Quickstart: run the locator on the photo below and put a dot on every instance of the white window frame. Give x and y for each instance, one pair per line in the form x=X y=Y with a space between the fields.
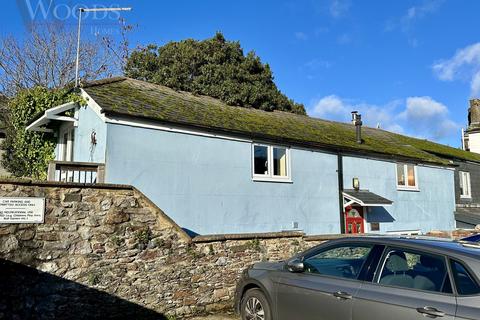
x=68 y=147
x=270 y=177
x=462 y=175
x=406 y=187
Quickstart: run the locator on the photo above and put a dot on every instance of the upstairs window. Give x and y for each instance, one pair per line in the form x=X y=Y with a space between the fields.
x=407 y=176
x=271 y=163
x=465 y=186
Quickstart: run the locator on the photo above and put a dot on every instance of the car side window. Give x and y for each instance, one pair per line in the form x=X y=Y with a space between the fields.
x=465 y=283
x=344 y=261
x=415 y=270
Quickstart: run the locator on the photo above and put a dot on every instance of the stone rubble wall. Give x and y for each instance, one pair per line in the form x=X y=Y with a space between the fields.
x=113 y=241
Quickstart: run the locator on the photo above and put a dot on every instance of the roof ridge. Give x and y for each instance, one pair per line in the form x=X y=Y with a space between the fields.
x=103 y=81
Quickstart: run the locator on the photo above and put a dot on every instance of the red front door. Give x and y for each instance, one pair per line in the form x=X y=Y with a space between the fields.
x=354 y=220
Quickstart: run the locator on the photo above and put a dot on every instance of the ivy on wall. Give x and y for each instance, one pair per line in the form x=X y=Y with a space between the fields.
x=27 y=153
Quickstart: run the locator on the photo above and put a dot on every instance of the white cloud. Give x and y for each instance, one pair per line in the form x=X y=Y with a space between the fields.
x=339 y=8
x=316 y=64
x=465 y=64
x=413 y=14
x=428 y=118
x=415 y=116
x=301 y=35
x=344 y=39
x=419 y=108
x=331 y=107
x=418 y=12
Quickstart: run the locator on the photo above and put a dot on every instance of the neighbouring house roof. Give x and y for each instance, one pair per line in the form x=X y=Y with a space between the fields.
x=366 y=198
x=139 y=99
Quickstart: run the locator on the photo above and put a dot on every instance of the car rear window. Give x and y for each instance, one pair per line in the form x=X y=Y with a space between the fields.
x=465 y=283
x=415 y=270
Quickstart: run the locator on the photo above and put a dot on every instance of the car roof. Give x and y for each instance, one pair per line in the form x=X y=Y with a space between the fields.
x=450 y=247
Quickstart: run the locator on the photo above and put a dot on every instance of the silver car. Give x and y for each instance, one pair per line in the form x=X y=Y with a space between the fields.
x=365 y=278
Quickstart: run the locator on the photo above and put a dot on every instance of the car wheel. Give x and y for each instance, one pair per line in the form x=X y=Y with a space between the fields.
x=255 y=306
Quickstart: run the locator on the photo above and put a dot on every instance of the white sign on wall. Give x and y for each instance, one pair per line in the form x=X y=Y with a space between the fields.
x=22 y=210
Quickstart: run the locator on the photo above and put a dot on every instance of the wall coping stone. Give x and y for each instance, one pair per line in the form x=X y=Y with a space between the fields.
x=32 y=182
x=247 y=236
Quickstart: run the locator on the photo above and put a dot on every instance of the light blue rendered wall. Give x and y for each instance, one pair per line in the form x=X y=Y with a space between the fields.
x=84 y=151
x=431 y=208
x=205 y=184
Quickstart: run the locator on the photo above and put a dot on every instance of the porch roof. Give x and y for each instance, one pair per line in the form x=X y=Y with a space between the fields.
x=366 y=198
x=53 y=114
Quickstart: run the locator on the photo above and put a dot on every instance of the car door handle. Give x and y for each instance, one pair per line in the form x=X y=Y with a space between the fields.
x=342 y=295
x=431 y=312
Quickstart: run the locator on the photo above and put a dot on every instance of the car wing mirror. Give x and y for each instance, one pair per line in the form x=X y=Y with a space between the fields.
x=295 y=266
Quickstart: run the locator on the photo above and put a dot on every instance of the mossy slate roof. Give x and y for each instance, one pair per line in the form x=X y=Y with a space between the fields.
x=139 y=99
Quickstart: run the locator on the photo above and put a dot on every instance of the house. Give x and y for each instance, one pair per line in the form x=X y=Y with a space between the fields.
x=467 y=176
x=471 y=136
x=216 y=168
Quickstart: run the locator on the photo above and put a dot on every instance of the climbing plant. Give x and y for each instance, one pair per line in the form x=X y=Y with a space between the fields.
x=27 y=153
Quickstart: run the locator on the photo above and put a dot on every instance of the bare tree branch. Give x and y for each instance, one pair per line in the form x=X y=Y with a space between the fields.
x=46 y=57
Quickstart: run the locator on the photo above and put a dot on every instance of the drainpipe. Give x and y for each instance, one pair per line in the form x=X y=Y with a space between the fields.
x=340 y=191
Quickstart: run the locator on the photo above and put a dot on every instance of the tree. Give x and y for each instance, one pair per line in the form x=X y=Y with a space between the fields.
x=27 y=153
x=37 y=73
x=46 y=57
x=214 y=67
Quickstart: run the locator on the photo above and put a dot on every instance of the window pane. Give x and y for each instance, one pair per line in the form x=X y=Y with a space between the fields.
x=344 y=261
x=462 y=183
x=280 y=162
x=65 y=146
x=411 y=175
x=260 y=161
x=416 y=271
x=401 y=174
x=469 y=186
x=465 y=187
x=464 y=282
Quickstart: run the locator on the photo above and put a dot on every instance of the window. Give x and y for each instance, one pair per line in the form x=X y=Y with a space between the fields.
x=465 y=283
x=271 y=163
x=465 y=187
x=66 y=142
x=406 y=176
x=345 y=261
x=416 y=271
x=260 y=164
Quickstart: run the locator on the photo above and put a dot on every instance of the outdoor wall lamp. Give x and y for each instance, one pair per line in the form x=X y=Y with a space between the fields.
x=356 y=184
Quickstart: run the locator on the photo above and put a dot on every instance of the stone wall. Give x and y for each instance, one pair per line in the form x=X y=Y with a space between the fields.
x=108 y=251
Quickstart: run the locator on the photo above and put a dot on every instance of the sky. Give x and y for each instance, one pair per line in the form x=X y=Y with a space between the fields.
x=406 y=66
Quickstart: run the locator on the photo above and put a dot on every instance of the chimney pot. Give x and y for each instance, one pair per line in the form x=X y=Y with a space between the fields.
x=357 y=121
x=474 y=114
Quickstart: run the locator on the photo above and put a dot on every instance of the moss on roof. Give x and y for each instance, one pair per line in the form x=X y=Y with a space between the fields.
x=124 y=96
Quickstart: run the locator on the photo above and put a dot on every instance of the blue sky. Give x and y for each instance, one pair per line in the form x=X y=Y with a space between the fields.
x=409 y=66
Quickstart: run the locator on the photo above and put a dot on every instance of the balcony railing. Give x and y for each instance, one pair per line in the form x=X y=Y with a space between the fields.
x=81 y=172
